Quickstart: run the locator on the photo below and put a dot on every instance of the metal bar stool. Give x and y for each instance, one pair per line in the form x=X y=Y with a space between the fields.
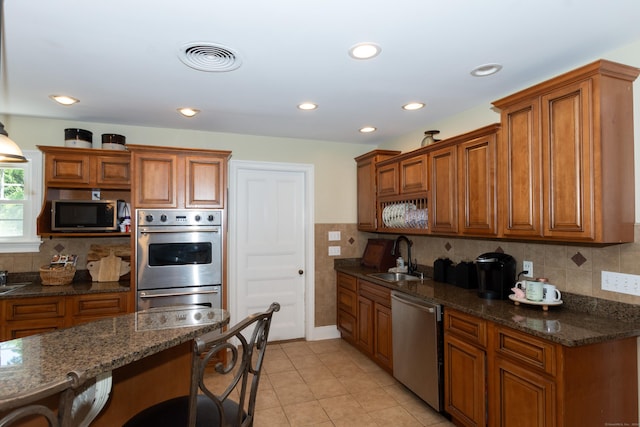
x=203 y=407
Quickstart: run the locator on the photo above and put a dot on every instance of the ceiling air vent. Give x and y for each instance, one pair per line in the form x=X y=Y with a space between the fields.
x=209 y=57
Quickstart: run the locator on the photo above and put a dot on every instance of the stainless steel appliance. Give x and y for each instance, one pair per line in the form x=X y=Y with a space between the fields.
x=85 y=215
x=417 y=347
x=496 y=275
x=178 y=257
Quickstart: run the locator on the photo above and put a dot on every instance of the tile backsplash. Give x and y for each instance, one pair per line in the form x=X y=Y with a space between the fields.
x=575 y=269
x=572 y=268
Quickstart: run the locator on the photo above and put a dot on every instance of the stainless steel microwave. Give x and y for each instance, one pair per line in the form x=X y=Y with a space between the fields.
x=84 y=215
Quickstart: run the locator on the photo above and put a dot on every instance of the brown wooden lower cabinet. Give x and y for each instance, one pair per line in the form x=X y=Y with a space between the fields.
x=465 y=372
x=364 y=317
x=26 y=316
x=518 y=379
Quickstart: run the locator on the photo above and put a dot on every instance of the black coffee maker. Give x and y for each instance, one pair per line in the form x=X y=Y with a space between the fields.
x=496 y=275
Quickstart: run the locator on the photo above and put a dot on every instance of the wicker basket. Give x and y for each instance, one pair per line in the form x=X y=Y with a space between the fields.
x=57 y=276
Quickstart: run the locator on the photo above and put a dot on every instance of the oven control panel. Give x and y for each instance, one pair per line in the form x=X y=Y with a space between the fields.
x=176 y=316
x=191 y=217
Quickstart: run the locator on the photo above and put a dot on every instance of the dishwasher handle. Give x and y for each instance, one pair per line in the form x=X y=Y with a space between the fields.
x=417 y=303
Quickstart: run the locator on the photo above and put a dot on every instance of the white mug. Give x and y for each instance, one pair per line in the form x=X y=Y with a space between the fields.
x=551 y=294
x=534 y=291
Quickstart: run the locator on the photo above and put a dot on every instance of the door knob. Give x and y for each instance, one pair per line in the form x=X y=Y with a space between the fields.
x=301 y=272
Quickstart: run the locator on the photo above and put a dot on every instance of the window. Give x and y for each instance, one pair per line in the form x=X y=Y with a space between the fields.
x=20 y=202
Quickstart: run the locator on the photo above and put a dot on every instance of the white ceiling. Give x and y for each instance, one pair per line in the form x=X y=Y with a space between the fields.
x=120 y=58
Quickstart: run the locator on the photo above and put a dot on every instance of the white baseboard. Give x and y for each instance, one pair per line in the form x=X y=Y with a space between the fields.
x=324 y=333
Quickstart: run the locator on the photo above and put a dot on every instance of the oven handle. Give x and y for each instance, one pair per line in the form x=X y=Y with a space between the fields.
x=176 y=294
x=149 y=230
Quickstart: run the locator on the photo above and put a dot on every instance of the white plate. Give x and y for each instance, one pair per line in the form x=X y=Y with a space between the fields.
x=544 y=304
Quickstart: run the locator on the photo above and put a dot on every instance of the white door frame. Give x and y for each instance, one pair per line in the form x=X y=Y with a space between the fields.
x=309 y=224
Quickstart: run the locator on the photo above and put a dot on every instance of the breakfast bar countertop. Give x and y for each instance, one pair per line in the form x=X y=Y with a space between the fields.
x=82 y=352
x=580 y=320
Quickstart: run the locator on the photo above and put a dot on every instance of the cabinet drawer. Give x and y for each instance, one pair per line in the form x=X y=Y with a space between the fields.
x=21 y=329
x=347 y=301
x=100 y=305
x=470 y=328
x=347 y=326
x=347 y=282
x=525 y=349
x=34 y=308
x=376 y=293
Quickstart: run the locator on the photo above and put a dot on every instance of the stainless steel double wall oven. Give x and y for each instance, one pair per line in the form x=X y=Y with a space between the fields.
x=178 y=257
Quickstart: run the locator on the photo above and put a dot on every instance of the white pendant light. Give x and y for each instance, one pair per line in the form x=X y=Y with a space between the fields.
x=9 y=150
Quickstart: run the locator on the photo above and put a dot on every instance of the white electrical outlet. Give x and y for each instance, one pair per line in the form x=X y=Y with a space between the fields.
x=334 y=235
x=621 y=282
x=334 y=250
x=95 y=195
x=528 y=267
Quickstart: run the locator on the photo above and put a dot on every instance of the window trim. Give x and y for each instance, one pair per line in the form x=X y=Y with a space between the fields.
x=30 y=242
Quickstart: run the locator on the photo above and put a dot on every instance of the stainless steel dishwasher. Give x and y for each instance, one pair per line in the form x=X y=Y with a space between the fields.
x=417 y=346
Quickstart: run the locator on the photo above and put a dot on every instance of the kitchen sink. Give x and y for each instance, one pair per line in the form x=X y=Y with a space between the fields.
x=5 y=289
x=393 y=277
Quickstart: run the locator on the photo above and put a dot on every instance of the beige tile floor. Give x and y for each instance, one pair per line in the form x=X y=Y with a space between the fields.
x=330 y=383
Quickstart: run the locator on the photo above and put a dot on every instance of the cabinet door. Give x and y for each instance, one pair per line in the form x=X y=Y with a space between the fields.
x=205 y=181
x=365 y=324
x=464 y=382
x=520 y=173
x=388 y=179
x=567 y=162
x=383 y=349
x=366 y=178
x=413 y=175
x=443 y=200
x=520 y=397
x=67 y=170
x=113 y=172
x=477 y=191
x=156 y=180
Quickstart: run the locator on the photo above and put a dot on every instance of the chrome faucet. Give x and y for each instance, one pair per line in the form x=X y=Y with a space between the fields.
x=410 y=267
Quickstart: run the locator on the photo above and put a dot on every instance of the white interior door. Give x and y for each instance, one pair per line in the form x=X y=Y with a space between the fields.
x=268 y=238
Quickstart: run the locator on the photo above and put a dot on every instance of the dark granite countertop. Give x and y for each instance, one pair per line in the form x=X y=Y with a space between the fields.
x=579 y=321
x=82 y=352
x=81 y=284
x=35 y=289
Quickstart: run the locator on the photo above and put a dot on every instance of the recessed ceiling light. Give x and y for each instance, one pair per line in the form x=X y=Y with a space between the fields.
x=486 y=70
x=364 y=50
x=368 y=129
x=64 y=99
x=188 y=112
x=413 y=106
x=308 y=106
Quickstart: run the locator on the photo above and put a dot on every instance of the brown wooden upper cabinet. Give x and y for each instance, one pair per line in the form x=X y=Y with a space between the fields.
x=463 y=184
x=167 y=177
x=404 y=174
x=367 y=187
x=566 y=157
x=86 y=168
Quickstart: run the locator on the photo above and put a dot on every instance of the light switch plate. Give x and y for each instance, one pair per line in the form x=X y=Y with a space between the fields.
x=334 y=250
x=334 y=235
x=620 y=282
